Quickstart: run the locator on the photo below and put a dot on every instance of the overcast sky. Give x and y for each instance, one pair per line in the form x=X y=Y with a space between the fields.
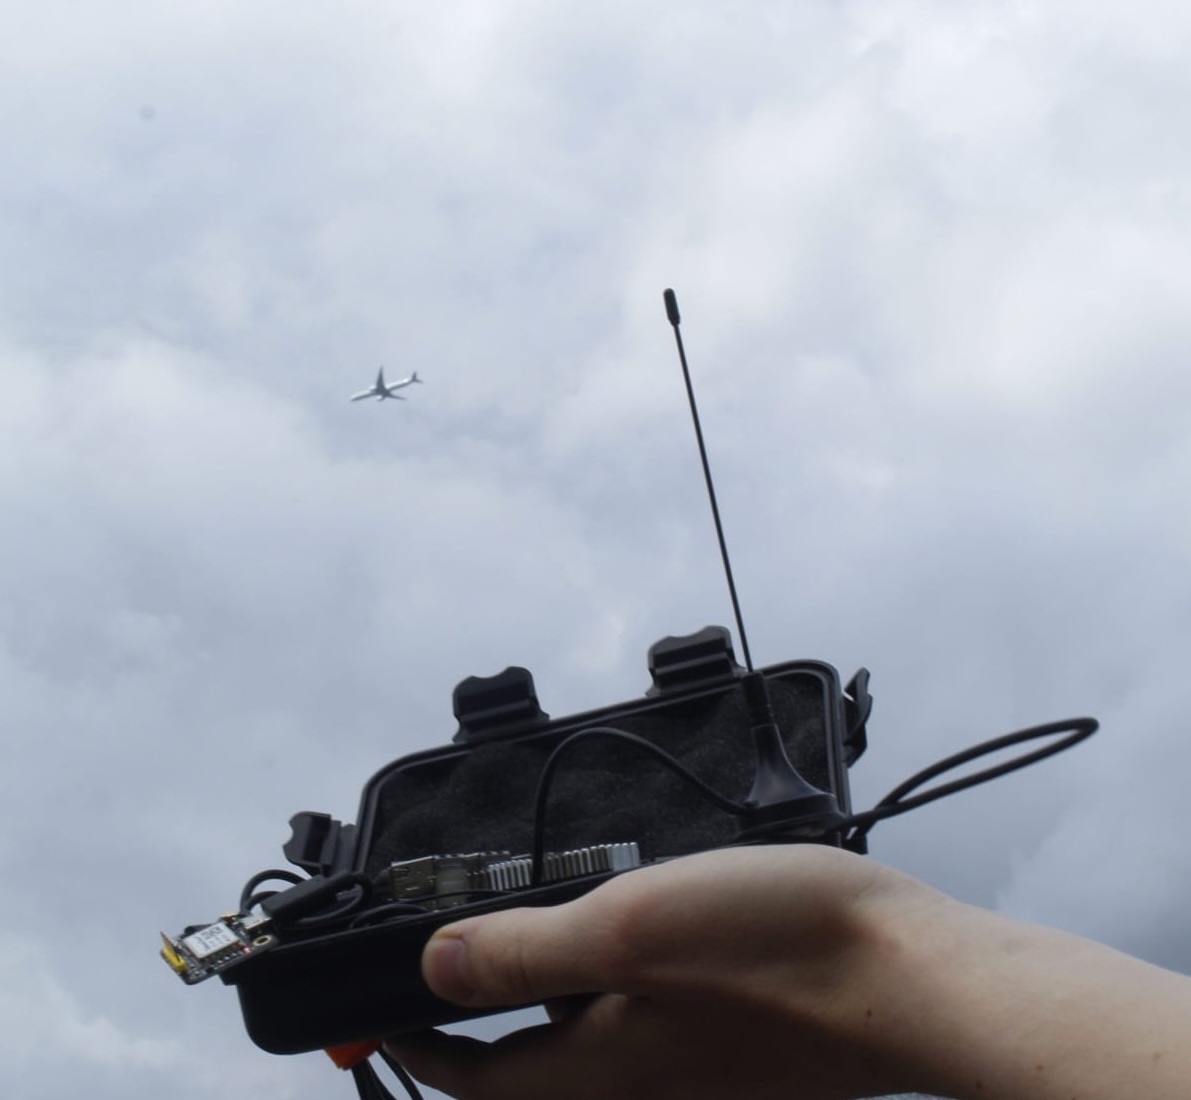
x=934 y=263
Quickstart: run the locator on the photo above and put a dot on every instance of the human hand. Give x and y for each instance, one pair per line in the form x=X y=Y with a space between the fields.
x=799 y=972
x=742 y=972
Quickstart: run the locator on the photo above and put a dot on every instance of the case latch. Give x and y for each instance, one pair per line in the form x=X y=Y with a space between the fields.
x=692 y=660
x=319 y=845
x=489 y=707
x=858 y=705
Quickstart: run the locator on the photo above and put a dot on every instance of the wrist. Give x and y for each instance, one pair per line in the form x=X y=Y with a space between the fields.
x=952 y=1000
x=901 y=940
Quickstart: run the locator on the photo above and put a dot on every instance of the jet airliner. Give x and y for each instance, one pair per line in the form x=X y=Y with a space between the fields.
x=380 y=390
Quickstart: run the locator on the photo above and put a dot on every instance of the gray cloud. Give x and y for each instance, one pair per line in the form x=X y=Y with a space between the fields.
x=932 y=267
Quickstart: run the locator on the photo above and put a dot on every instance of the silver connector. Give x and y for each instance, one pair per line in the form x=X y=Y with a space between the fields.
x=442 y=881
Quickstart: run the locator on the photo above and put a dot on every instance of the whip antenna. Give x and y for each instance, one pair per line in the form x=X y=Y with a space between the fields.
x=672 y=316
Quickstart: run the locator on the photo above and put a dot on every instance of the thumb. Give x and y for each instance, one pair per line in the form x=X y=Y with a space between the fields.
x=517 y=957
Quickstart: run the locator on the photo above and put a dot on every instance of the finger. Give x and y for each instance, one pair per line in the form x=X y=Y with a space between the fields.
x=535 y=1063
x=638 y=933
x=597 y=943
x=522 y=956
x=441 y=1061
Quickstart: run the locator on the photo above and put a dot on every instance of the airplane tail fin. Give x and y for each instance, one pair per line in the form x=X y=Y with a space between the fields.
x=413 y=377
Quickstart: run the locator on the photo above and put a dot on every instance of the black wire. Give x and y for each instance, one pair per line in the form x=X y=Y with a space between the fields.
x=396 y=909
x=360 y=885
x=679 y=769
x=402 y=1075
x=369 y=1085
x=892 y=805
x=895 y=802
x=382 y=913
x=361 y=894
x=472 y=894
x=265 y=876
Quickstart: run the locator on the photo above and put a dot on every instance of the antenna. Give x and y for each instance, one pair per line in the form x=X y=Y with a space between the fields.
x=673 y=317
x=781 y=802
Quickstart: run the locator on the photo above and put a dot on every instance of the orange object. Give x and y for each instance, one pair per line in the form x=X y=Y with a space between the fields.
x=348 y=1055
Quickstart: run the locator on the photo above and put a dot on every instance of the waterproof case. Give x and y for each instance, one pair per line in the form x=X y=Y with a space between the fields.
x=451 y=817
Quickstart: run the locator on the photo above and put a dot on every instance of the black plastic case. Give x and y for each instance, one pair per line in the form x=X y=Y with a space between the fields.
x=477 y=795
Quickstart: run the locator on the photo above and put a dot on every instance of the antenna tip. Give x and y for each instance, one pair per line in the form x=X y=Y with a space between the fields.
x=671 y=307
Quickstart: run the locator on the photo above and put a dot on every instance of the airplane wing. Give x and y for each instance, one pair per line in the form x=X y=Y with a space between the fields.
x=381 y=390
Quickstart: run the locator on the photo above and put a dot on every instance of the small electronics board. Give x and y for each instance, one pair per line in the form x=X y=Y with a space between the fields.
x=202 y=951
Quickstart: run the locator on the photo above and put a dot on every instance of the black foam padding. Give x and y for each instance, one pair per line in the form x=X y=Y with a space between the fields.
x=603 y=791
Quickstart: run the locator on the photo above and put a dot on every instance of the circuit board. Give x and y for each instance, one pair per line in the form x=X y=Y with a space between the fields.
x=203 y=951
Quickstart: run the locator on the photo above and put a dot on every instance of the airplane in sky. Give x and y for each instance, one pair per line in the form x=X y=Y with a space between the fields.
x=380 y=390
